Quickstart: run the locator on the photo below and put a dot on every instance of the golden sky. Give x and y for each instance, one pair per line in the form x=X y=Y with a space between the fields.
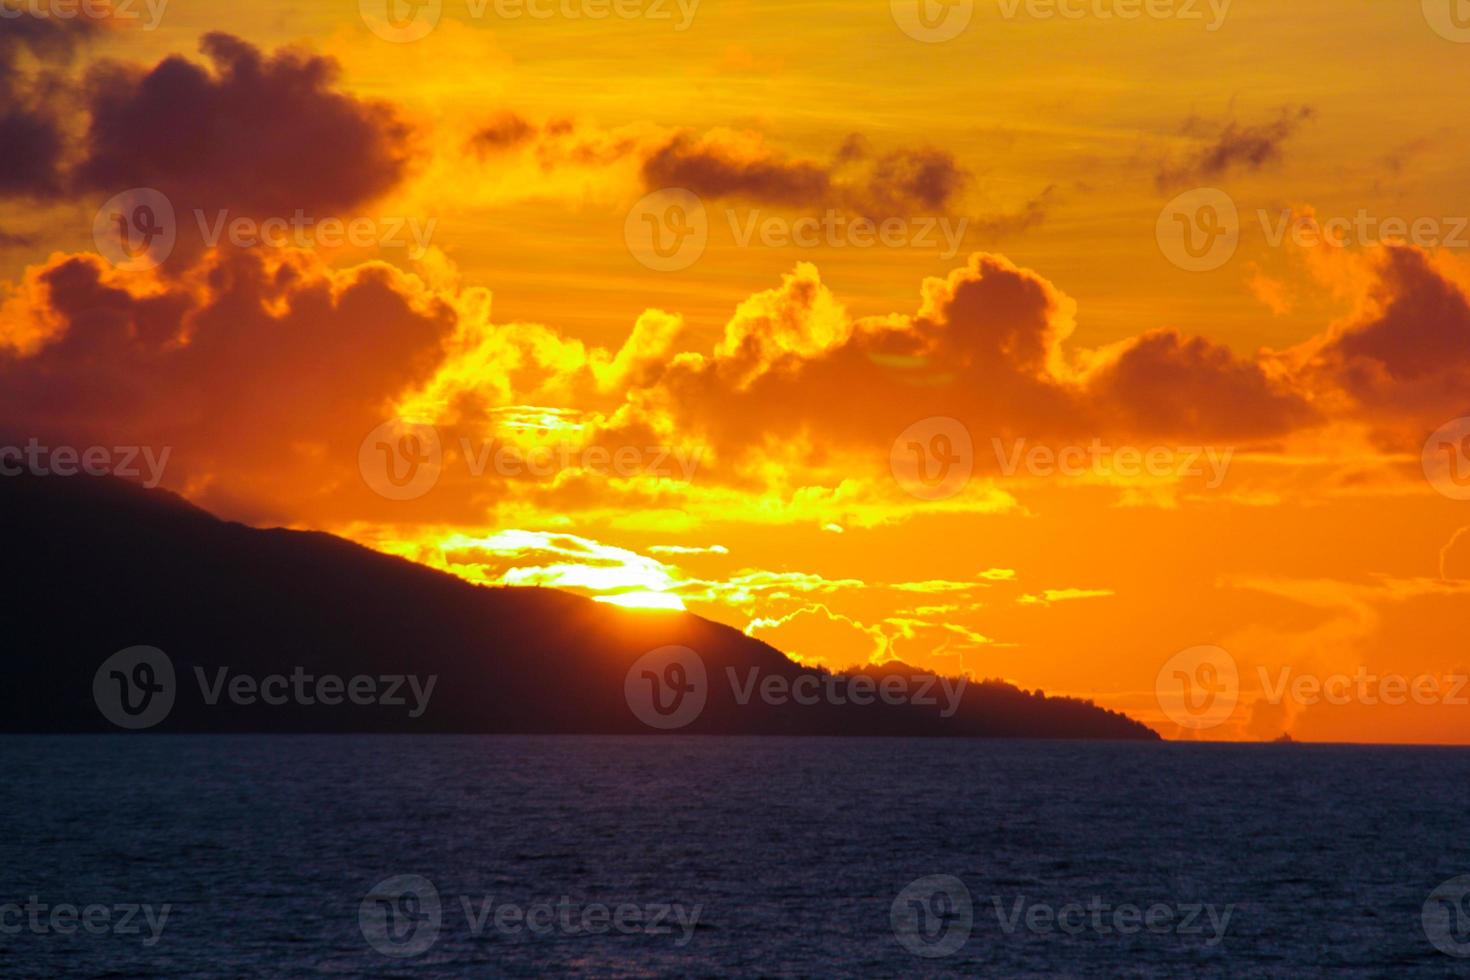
x=1103 y=346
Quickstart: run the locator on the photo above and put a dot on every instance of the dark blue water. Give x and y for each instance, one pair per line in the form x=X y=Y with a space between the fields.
x=489 y=856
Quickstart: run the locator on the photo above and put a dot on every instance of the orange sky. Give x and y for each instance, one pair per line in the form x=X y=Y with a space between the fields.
x=919 y=365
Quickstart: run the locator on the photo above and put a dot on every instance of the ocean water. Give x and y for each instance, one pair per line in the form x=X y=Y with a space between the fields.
x=429 y=856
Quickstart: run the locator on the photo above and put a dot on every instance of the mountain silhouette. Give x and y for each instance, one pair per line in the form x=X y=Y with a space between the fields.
x=100 y=565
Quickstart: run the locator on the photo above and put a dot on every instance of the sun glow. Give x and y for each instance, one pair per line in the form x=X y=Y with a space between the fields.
x=644 y=600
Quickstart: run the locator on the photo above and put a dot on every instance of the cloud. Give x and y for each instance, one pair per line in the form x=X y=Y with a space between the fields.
x=741 y=166
x=1233 y=146
x=988 y=346
x=261 y=134
x=1409 y=357
x=32 y=102
x=1177 y=386
x=517 y=557
x=262 y=372
x=725 y=165
x=788 y=415
x=503 y=132
x=915 y=181
x=1049 y=596
x=718 y=167
x=816 y=635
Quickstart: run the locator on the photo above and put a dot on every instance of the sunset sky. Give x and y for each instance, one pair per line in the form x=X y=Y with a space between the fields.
x=754 y=384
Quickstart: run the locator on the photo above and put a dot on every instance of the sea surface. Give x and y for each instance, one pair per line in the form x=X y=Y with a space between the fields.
x=469 y=856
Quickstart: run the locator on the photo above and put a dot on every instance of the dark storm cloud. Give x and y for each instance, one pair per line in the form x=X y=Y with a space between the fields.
x=262 y=134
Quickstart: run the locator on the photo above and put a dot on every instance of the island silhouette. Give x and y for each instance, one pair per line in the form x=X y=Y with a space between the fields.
x=100 y=566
